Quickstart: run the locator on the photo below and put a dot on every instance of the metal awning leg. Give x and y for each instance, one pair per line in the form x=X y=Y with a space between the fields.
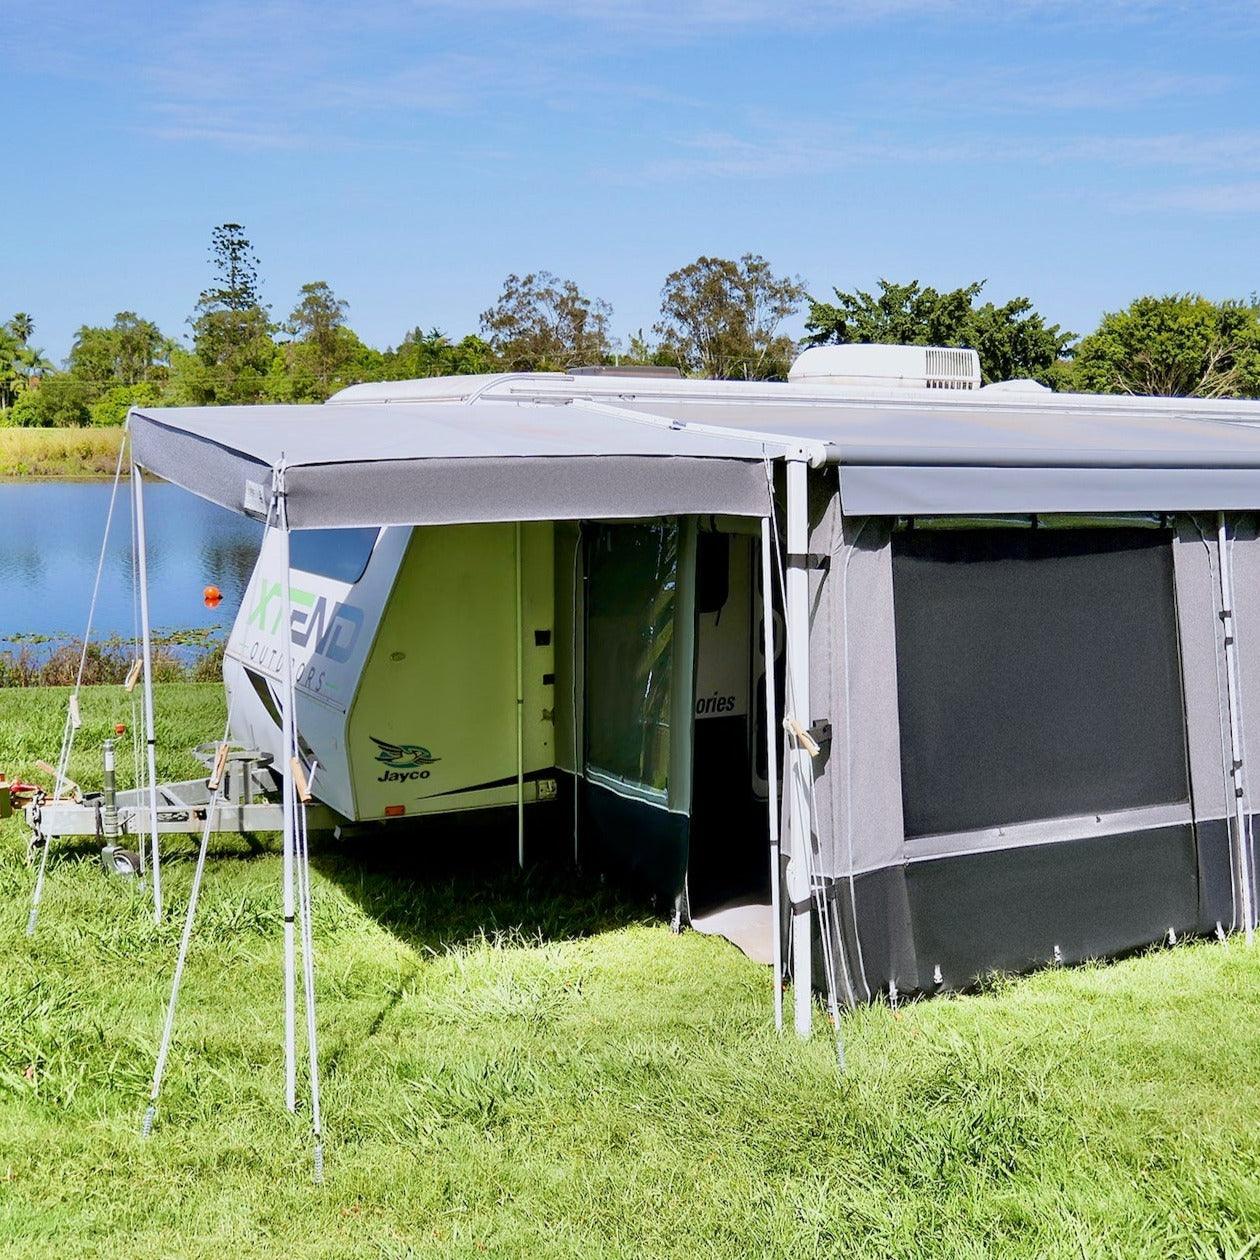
x=796 y=613
x=146 y=656
x=772 y=768
x=288 y=720
x=1238 y=776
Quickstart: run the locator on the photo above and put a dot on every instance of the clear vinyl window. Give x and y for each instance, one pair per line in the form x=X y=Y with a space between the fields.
x=632 y=581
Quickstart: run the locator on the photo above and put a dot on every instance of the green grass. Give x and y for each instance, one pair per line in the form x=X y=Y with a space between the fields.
x=520 y=1067
x=59 y=452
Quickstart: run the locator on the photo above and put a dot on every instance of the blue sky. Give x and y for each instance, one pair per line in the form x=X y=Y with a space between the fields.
x=412 y=152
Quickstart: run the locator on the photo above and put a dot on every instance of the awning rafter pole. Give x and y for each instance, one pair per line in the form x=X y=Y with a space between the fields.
x=1238 y=776
x=772 y=767
x=796 y=613
x=288 y=721
x=146 y=657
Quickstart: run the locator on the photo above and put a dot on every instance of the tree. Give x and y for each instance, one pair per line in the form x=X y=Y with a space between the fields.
x=1182 y=345
x=1012 y=340
x=721 y=318
x=236 y=272
x=231 y=329
x=433 y=353
x=9 y=378
x=22 y=326
x=317 y=318
x=317 y=360
x=543 y=324
x=126 y=352
x=31 y=364
x=14 y=368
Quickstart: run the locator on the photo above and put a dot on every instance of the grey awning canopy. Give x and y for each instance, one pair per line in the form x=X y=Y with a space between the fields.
x=425 y=463
x=378 y=464
x=901 y=458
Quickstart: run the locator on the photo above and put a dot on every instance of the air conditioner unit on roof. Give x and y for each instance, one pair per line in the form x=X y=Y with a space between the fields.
x=908 y=367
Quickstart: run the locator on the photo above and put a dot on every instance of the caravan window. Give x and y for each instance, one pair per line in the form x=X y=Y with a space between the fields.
x=341 y=554
x=1037 y=675
x=632 y=578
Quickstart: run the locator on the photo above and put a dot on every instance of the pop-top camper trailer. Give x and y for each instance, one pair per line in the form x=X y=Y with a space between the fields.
x=1008 y=642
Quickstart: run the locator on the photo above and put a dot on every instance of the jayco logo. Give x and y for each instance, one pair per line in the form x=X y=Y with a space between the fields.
x=409 y=761
x=334 y=626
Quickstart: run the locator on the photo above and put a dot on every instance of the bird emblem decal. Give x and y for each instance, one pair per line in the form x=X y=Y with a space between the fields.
x=403 y=756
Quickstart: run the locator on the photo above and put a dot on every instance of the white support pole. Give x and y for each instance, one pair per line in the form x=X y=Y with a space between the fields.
x=520 y=707
x=308 y=982
x=772 y=768
x=142 y=561
x=1238 y=776
x=577 y=659
x=798 y=764
x=289 y=745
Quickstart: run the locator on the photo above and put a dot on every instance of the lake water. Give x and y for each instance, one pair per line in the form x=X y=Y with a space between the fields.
x=50 y=539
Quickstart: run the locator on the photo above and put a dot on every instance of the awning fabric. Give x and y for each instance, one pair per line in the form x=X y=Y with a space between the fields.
x=899 y=459
x=378 y=464
x=425 y=463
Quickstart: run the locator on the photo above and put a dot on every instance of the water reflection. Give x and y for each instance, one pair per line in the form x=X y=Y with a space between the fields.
x=50 y=538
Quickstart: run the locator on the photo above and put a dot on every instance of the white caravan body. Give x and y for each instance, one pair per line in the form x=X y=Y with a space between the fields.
x=405 y=660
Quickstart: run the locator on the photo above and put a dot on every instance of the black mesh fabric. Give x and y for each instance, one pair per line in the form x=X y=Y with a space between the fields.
x=1037 y=675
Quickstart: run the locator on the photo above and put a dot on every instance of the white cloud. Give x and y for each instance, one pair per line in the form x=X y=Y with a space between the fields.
x=787 y=151
x=1235 y=198
x=283 y=73
x=1079 y=89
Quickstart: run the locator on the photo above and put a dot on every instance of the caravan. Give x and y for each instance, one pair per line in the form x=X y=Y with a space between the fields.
x=995 y=651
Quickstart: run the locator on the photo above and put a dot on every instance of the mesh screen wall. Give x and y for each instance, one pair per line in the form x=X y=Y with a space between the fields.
x=1037 y=675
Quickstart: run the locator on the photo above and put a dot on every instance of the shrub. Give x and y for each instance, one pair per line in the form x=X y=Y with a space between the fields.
x=57 y=402
x=110 y=410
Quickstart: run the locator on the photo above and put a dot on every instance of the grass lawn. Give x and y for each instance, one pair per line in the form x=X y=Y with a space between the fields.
x=59 y=452
x=521 y=1067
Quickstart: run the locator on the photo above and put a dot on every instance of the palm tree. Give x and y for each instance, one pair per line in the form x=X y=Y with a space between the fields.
x=30 y=362
x=22 y=326
x=8 y=370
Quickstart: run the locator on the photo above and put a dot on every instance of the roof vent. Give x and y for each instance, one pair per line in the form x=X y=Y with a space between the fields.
x=888 y=367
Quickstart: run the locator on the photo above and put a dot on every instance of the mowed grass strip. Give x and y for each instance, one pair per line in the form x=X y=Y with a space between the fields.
x=524 y=1066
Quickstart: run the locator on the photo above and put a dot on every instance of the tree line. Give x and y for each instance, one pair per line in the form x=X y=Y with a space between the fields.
x=719 y=317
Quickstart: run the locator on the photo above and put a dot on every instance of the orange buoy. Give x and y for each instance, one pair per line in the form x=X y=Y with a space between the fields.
x=213 y=596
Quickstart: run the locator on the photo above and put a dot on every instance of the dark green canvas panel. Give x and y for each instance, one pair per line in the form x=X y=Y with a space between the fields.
x=641 y=846
x=1007 y=909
